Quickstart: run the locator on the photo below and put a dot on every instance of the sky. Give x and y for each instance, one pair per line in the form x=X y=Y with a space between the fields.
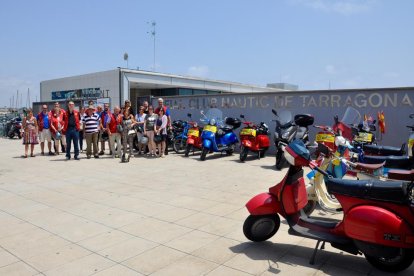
x=316 y=44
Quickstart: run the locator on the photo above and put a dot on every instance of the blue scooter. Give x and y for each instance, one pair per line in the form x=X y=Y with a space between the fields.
x=219 y=137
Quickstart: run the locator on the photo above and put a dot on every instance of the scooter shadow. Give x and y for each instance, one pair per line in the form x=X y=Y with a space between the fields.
x=212 y=156
x=282 y=256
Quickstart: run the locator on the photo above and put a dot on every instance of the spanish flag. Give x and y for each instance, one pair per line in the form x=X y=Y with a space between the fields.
x=381 y=121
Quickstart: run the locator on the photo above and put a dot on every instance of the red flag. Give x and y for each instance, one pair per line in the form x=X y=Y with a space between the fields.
x=381 y=121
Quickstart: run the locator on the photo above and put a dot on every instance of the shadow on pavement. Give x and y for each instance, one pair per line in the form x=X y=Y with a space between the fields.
x=296 y=255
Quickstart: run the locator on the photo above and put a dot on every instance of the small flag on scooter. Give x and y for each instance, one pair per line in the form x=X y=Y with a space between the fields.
x=381 y=121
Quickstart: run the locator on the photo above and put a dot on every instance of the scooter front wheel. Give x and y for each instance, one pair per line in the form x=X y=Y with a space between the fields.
x=187 y=150
x=243 y=154
x=261 y=228
x=204 y=154
x=394 y=264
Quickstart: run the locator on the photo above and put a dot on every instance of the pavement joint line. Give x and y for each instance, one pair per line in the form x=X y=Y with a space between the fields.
x=20 y=260
x=70 y=243
x=99 y=203
x=93 y=252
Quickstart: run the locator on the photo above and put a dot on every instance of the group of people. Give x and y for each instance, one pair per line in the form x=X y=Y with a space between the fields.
x=97 y=126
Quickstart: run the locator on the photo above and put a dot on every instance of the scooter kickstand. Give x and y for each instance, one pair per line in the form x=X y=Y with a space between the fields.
x=312 y=260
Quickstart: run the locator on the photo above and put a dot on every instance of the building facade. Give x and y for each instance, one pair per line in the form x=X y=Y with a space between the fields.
x=120 y=84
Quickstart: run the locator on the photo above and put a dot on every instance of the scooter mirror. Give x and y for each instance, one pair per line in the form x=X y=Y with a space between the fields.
x=411 y=116
x=274 y=112
x=336 y=119
x=242 y=116
x=202 y=112
x=374 y=121
x=189 y=115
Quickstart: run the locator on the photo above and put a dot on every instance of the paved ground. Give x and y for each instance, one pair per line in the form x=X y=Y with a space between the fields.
x=172 y=216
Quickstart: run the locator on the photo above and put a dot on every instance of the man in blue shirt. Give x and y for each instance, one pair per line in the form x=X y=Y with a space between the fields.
x=43 y=122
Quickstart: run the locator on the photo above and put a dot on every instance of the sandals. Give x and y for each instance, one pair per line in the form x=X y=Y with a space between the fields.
x=24 y=156
x=32 y=155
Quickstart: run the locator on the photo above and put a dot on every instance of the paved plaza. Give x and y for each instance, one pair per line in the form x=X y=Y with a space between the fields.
x=171 y=216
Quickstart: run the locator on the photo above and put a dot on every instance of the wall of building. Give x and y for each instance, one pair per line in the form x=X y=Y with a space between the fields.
x=107 y=80
x=397 y=104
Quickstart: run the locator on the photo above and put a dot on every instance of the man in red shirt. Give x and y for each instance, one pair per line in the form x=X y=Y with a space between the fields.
x=71 y=126
x=114 y=135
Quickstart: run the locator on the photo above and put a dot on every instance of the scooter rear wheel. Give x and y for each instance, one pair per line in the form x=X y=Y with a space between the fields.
x=398 y=263
x=261 y=228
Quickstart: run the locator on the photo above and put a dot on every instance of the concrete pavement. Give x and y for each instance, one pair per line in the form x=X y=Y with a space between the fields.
x=171 y=216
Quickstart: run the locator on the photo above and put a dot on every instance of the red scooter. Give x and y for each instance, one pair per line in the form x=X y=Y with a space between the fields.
x=253 y=138
x=194 y=140
x=378 y=215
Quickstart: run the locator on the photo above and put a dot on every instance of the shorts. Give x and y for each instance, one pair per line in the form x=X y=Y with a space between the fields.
x=45 y=135
x=163 y=137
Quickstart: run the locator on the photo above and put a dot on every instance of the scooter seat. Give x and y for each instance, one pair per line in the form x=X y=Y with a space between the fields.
x=226 y=129
x=388 y=191
x=395 y=162
x=384 y=150
x=405 y=175
x=369 y=168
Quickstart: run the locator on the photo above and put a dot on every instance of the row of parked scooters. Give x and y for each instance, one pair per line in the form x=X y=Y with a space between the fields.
x=377 y=203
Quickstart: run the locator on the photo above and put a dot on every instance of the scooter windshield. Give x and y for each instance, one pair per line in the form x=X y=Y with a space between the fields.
x=214 y=113
x=351 y=116
x=285 y=116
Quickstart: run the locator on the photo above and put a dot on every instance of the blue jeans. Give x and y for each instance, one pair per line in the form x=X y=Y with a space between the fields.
x=72 y=135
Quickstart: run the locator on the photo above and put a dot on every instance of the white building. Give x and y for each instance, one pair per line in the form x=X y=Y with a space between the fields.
x=137 y=86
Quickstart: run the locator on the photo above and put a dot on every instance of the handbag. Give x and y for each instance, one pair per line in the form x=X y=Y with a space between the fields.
x=157 y=138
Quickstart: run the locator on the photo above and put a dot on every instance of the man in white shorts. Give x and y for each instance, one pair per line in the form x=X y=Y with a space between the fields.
x=43 y=122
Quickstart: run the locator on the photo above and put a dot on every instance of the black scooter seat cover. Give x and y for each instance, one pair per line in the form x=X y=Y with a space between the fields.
x=396 y=162
x=388 y=191
x=384 y=150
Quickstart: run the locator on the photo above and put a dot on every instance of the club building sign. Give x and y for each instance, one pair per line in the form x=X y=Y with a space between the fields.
x=397 y=104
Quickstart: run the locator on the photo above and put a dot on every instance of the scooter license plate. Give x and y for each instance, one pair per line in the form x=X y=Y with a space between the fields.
x=364 y=137
x=210 y=128
x=410 y=143
x=248 y=131
x=193 y=132
x=325 y=137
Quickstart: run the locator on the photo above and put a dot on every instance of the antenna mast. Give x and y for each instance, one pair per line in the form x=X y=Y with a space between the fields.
x=153 y=33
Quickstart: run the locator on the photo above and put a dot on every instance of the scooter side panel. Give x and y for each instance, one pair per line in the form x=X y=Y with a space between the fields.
x=376 y=225
x=208 y=138
x=263 y=141
x=263 y=204
x=229 y=138
x=190 y=141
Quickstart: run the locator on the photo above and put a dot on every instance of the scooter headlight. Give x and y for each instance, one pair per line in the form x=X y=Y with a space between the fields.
x=285 y=135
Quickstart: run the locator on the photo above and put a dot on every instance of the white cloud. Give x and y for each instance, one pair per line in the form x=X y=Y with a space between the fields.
x=344 y=7
x=198 y=71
